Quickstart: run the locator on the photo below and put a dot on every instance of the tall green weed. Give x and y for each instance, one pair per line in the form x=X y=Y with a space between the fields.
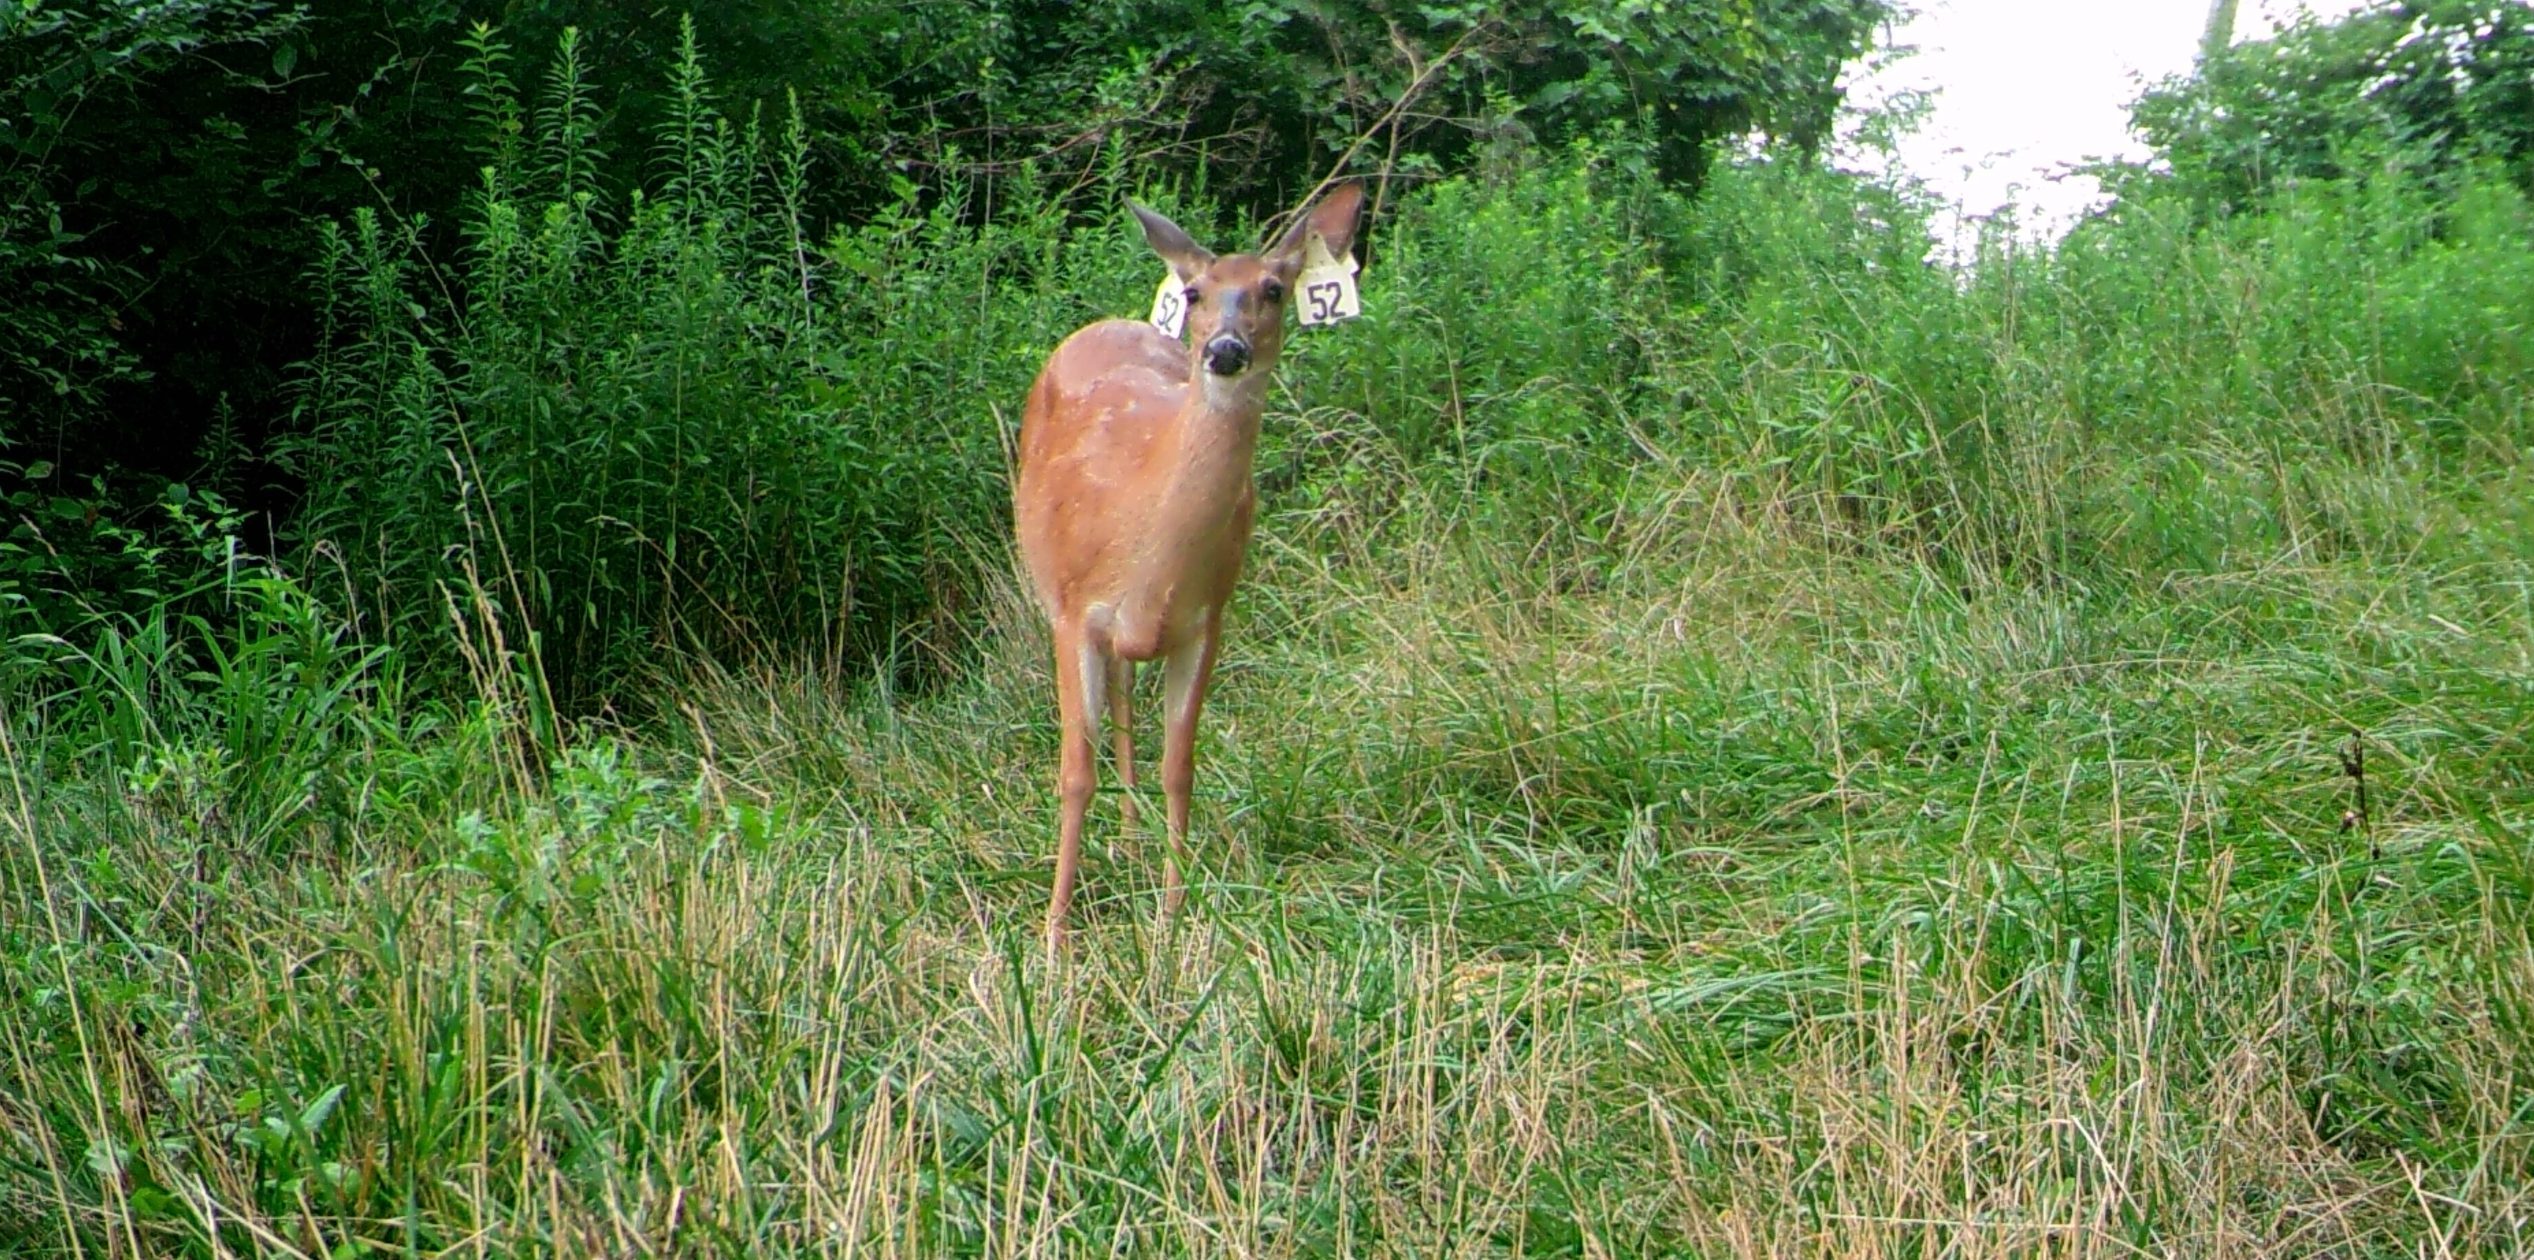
x=683 y=422
x=2149 y=394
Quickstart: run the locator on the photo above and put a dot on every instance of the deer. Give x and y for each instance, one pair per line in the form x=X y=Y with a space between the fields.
x=1132 y=503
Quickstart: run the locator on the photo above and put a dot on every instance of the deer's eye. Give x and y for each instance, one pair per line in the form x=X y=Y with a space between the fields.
x=1192 y=295
x=1274 y=290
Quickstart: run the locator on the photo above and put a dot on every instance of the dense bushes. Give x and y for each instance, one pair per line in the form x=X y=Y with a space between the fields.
x=678 y=421
x=2434 y=87
x=616 y=433
x=687 y=424
x=1568 y=322
x=160 y=164
x=2008 y=414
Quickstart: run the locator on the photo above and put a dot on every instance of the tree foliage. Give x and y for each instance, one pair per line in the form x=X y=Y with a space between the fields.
x=161 y=160
x=2429 y=84
x=1268 y=94
x=166 y=165
x=76 y=147
x=162 y=164
x=670 y=416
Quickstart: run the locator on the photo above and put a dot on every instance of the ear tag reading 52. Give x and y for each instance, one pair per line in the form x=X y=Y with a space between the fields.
x=1328 y=285
x=1170 y=305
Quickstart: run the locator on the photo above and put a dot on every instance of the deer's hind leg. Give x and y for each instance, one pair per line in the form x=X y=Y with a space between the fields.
x=1121 y=677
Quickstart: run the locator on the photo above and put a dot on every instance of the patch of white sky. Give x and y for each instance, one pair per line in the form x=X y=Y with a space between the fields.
x=2023 y=91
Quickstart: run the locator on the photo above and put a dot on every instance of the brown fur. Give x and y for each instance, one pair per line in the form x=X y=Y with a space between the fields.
x=1133 y=505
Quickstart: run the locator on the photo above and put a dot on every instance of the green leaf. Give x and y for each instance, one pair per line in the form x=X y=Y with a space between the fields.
x=153 y=1203
x=106 y=1157
x=314 y=1117
x=285 y=56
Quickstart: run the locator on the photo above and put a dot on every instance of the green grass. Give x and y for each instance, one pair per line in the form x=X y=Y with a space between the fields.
x=1769 y=901
x=1677 y=813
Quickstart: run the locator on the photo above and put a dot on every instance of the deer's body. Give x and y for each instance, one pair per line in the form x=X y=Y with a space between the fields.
x=1134 y=498
x=1133 y=503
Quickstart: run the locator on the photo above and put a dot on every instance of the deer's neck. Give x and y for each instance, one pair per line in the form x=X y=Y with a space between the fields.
x=1194 y=530
x=1216 y=440
x=1197 y=531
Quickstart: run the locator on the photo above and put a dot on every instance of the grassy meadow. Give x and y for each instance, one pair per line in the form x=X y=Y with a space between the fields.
x=1734 y=743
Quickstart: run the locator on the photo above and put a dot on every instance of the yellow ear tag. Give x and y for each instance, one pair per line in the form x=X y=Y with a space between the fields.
x=1170 y=305
x=1328 y=285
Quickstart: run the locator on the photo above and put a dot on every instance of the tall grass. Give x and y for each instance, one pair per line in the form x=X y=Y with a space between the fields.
x=1735 y=743
x=682 y=422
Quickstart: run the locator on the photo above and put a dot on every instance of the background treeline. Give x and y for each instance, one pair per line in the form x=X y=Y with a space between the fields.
x=2426 y=87
x=705 y=326
x=196 y=192
x=700 y=335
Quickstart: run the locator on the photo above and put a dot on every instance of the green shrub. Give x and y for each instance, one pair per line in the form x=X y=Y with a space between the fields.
x=682 y=421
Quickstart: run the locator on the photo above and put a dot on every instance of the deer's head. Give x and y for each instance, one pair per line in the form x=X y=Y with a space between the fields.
x=1236 y=302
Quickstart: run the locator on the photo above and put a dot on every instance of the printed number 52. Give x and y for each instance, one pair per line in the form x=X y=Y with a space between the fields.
x=1323 y=298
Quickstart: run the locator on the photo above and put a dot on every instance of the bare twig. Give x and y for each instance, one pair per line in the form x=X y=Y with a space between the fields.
x=1422 y=77
x=2353 y=763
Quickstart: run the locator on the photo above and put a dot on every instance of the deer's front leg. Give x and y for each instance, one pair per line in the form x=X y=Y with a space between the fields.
x=1079 y=687
x=1185 y=675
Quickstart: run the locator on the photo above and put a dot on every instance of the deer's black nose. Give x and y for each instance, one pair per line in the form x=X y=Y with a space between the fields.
x=1227 y=356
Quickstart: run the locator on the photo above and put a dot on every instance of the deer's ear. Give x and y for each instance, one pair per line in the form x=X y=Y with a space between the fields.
x=1187 y=259
x=1333 y=219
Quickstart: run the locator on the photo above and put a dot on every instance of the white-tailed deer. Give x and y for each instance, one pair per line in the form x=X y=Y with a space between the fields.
x=1133 y=502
